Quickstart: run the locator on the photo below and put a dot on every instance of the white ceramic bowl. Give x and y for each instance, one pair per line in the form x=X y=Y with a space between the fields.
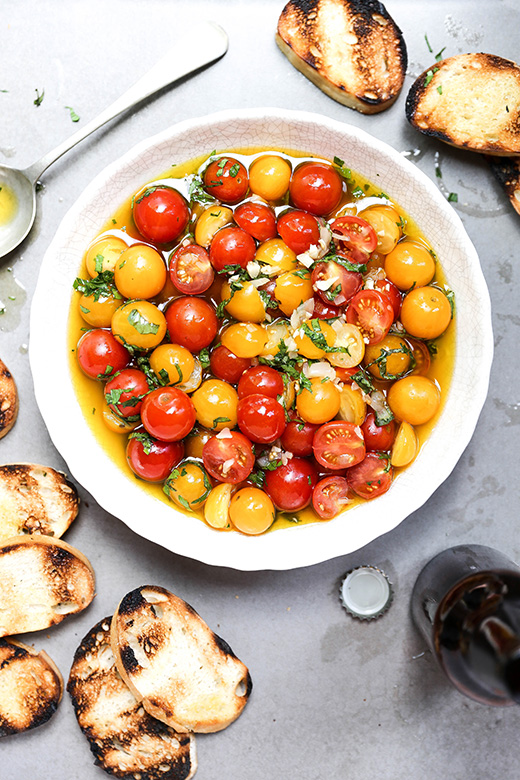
x=120 y=493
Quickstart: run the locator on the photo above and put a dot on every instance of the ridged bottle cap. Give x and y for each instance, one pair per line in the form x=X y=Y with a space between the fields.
x=366 y=592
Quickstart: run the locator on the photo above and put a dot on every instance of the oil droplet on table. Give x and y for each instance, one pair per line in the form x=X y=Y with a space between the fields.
x=8 y=204
x=12 y=298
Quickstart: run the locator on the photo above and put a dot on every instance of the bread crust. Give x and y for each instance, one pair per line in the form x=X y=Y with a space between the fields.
x=125 y=740
x=8 y=400
x=507 y=171
x=470 y=101
x=351 y=49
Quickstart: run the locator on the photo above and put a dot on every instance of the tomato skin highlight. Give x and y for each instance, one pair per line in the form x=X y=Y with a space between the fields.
x=316 y=188
x=299 y=230
x=162 y=215
x=155 y=465
x=260 y=418
x=98 y=351
x=231 y=246
x=290 y=487
x=190 y=269
x=257 y=219
x=218 y=452
x=262 y=380
x=338 y=445
x=226 y=179
x=372 y=477
x=330 y=497
x=133 y=386
x=168 y=414
x=192 y=323
x=226 y=365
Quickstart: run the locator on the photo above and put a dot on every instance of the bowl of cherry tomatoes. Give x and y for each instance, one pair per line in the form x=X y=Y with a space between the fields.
x=269 y=353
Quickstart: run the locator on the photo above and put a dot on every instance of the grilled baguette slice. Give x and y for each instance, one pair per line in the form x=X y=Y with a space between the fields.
x=31 y=687
x=8 y=400
x=35 y=499
x=42 y=580
x=125 y=740
x=507 y=171
x=471 y=101
x=351 y=49
x=183 y=673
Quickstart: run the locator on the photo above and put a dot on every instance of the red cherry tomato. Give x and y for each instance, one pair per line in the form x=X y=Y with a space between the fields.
x=257 y=219
x=316 y=187
x=325 y=311
x=338 y=445
x=261 y=418
x=335 y=284
x=378 y=437
x=161 y=214
x=168 y=414
x=229 y=459
x=231 y=246
x=226 y=179
x=356 y=236
x=261 y=379
x=192 y=323
x=299 y=230
x=290 y=486
x=226 y=365
x=125 y=392
x=330 y=497
x=372 y=477
x=373 y=314
x=100 y=355
x=298 y=436
x=190 y=269
x=394 y=294
x=152 y=459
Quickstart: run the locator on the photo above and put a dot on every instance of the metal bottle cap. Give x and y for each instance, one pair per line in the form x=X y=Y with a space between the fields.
x=366 y=592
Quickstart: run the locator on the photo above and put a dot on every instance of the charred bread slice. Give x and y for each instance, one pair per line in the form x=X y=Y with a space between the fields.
x=507 y=171
x=351 y=49
x=42 y=580
x=183 y=673
x=125 y=740
x=8 y=400
x=31 y=687
x=471 y=101
x=35 y=499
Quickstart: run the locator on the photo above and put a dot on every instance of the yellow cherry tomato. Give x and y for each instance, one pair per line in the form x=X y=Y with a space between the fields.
x=350 y=339
x=310 y=335
x=415 y=399
x=276 y=333
x=269 y=176
x=216 y=508
x=103 y=255
x=140 y=272
x=172 y=363
x=405 y=446
x=251 y=511
x=99 y=313
x=275 y=256
x=387 y=223
x=195 y=441
x=352 y=406
x=291 y=289
x=139 y=324
x=115 y=423
x=211 y=220
x=410 y=264
x=426 y=312
x=320 y=403
x=246 y=304
x=188 y=485
x=389 y=358
x=216 y=404
x=245 y=339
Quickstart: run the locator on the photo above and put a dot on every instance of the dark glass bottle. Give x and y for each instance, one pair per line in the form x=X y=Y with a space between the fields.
x=466 y=603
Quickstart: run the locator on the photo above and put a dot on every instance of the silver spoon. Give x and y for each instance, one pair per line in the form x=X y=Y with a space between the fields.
x=200 y=45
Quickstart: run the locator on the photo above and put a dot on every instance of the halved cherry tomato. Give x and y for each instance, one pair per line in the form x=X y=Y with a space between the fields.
x=299 y=230
x=372 y=477
x=192 y=323
x=393 y=292
x=168 y=414
x=298 y=436
x=378 y=437
x=290 y=486
x=373 y=314
x=257 y=219
x=325 y=311
x=316 y=187
x=229 y=459
x=226 y=365
x=150 y=458
x=330 y=497
x=190 y=269
x=226 y=179
x=100 y=355
x=334 y=283
x=261 y=379
x=231 y=246
x=338 y=445
x=261 y=418
x=124 y=393
x=356 y=236
x=161 y=214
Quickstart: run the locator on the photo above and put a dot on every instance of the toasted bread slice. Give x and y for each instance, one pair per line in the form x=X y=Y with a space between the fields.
x=352 y=50
x=31 y=687
x=507 y=171
x=8 y=400
x=35 y=499
x=125 y=740
x=183 y=673
x=42 y=580
x=471 y=101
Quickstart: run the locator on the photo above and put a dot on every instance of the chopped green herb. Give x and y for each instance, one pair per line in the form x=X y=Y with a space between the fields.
x=343 y=171
x=438 y=56
x=74 y=117
x=439 y=89
x=141 y=324
x=204 y=357
x=428 y=43
x=145 y=439
x=234 y=170
x=219 y=420
x=429 y=75
x=39 y=98
x=148 y=191
x=100 y=286
x=99 y=263
x=197 y=193
x=453 y=197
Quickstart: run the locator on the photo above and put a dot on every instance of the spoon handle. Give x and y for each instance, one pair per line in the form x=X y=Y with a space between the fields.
x=199 y=46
